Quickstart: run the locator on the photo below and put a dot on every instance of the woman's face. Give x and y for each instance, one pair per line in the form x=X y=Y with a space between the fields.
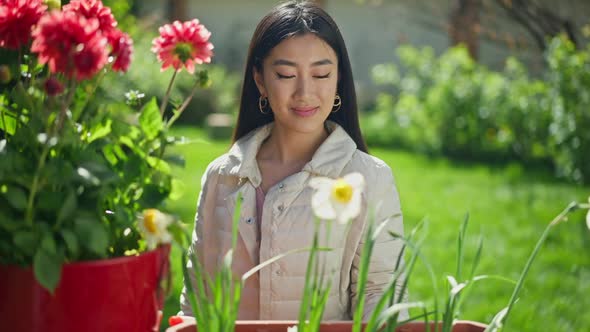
x=299 y=78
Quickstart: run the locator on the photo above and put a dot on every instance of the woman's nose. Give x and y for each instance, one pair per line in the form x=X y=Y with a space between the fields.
x=303 y=87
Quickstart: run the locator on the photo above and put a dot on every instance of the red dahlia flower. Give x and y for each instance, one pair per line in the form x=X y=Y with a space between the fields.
x=93 y=9
x=183 y=44
x=70 y=44
x=17 y=17
x=121 y=49
x=53 y=87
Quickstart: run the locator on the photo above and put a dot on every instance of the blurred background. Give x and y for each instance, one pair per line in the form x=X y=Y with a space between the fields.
x=481 y=108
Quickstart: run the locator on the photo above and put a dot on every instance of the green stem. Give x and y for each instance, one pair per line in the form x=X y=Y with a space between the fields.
x=560 y=217
x=33 y=193
x=167 y=95
x=53 y=131
x=90 y=95
x=183 y=106
x=65 y=104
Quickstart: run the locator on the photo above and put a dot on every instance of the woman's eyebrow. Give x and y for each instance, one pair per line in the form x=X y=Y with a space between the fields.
x=283 y=62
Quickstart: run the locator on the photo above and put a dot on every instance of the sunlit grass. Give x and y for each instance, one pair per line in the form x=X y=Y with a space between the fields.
x=509 y=206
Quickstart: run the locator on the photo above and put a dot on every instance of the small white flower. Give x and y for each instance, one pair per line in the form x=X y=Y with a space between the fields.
x=338 y=199
x=588 y=215
x=292 y=328
x=153 y=225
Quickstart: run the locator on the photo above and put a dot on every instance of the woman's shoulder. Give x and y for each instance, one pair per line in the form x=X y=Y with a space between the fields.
x=219 y=166
x=368 y=165
x=378 y=174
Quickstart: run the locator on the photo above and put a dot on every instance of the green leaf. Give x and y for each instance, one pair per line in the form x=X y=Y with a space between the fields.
x=47 y=268
x=152 y=195
x=8 y=223
x=16 y=197
x=177 y=190
x=71 y=242
x=159 y=164
x=22 y=98
x=99 y=172
x=68 y=208
x=150 y=119
x=100 y=130
x=110 y=153
x=48 y=244
x=26 y=241
x=92 y=235
x=127 y=141
x=7 y=123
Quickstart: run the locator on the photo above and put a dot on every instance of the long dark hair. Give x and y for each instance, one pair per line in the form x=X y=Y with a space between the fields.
x=295 y=18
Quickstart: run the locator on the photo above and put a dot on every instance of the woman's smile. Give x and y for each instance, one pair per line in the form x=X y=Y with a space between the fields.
x=305 y=111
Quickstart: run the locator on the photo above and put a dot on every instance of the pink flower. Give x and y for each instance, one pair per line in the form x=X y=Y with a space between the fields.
x=17 y=18
x=93 y=9
x=183 y=44
x=70 y=44
x=121 y=49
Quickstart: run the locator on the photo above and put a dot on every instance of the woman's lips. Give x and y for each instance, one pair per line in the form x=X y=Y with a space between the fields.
x=305 y=111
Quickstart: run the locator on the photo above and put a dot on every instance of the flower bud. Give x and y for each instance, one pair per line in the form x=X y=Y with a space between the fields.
x=53 y=4
x=5 y=74
x=53 y=87
x=204 y=79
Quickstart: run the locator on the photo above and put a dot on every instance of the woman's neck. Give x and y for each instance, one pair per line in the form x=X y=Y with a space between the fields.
x=286 y=146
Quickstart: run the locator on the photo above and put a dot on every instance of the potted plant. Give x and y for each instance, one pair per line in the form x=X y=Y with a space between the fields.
x=81 y=246
x=220 y=315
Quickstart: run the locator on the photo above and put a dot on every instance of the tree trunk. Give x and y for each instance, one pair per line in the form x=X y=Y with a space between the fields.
x=177 y=10
x=464 y=27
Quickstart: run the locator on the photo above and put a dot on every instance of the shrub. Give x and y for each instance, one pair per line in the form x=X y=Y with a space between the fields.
x=452 y=105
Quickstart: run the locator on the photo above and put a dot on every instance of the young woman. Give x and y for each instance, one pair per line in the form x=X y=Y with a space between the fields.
x=298 y=119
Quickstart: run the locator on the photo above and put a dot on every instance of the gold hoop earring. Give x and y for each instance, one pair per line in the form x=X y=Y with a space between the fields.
x=337 y=103
x=262 y=104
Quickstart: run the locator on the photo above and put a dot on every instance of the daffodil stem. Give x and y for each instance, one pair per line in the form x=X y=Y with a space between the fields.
x=167 y=95
x=183 y=106
x=559 y=218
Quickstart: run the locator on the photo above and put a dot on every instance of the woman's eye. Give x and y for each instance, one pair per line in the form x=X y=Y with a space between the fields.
x=322 y=76
x=284 y=76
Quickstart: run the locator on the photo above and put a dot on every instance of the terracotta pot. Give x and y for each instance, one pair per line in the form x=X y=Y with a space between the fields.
x=118 y=294
x=335 y=326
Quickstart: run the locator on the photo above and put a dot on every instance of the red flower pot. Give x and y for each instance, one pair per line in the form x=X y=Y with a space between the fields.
x=118 y=294
x=335 y=326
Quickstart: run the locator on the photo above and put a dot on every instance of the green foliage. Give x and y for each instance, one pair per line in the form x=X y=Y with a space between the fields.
x=569 y=99
x=454 y=106
x=59 y=181
x=76 y=168
x=145 y=76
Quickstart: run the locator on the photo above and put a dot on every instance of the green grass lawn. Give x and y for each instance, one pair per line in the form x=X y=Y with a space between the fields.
x=508 y=206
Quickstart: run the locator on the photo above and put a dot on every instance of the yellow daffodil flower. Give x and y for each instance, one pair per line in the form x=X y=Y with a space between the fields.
x=153 y=225
x=337 y=199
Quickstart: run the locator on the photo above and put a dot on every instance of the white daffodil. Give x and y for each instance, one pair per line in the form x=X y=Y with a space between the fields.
x=337 y=199
x=588 y=215
x=153 y=224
